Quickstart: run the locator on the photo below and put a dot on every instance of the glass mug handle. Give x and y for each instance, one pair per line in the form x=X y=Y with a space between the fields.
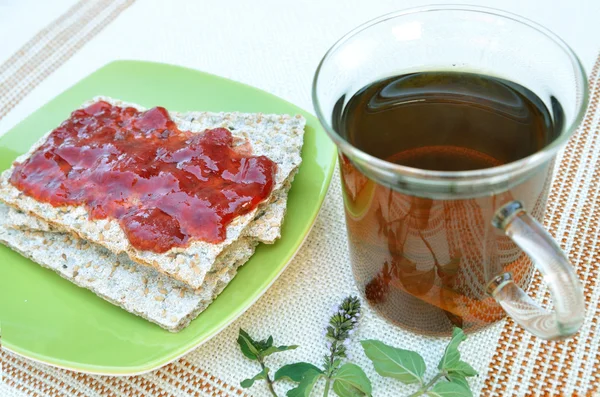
x=557 y=273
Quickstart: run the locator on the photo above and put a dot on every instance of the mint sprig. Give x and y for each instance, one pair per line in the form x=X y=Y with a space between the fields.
x=346 y=379
x=341 y=326
x=257 y=351
x=349 y=380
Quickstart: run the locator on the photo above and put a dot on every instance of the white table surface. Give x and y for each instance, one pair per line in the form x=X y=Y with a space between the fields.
x=274 y=45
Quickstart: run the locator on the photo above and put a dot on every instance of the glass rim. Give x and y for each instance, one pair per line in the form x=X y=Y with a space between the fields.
x=493 y=173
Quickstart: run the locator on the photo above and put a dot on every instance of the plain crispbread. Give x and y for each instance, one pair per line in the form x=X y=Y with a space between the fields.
x=278 y=137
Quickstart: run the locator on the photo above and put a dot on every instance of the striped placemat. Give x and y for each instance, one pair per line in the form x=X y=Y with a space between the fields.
x=52 y=47
x=520 y=365
x=523 y=363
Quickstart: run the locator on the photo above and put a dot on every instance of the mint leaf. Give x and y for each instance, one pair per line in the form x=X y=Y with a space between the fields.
x=276 y=349
x=451 y=362
x=462 y=368
x=269 y=342
x=248 y=345
x=306 y=385
x=447 y=389
x=346 y=390
x=458 y=379
x=261 y=375
x=452 y=356
x=351 y=381
x=405 y=365
x=294 y=372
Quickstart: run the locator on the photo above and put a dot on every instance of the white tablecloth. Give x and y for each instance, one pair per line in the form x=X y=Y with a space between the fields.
x=271 y=44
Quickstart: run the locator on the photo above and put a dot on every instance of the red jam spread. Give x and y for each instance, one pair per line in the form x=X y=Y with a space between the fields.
x=164 y=186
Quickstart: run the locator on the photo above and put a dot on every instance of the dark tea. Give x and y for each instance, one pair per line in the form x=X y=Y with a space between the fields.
x=424 y=262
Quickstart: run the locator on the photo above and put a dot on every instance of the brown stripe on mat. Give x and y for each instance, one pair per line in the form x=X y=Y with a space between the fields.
x=541 y=367
x=552 y=355
x=56 y=24
x=21 y=373
x=53 y=43
x=574 y=152
x=182 y=380
x=66 y=55
x=558 y=357
x=181 y=376
x=188 y=382
x=62 y=39
x=191 y=368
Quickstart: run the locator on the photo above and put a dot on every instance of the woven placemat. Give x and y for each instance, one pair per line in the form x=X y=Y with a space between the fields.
x=52 y=46
x=523 y=363
x=294 y=310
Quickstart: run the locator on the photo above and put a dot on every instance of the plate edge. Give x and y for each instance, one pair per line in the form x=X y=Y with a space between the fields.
x=137 y=370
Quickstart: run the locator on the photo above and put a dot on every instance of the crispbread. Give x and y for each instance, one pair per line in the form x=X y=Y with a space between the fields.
x=26 y=234
x=138 y=289
x=265 y=228
x=278 y=137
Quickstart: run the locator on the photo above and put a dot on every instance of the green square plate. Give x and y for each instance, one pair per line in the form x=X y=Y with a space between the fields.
x=46 y=318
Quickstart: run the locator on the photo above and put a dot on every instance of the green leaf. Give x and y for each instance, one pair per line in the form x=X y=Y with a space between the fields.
x=462 y=368
x=269 y=342
x=458 y=379
x=346 y=390
x=351 y=381
x=306 y=385
x=295 y=372
x=452 y=355
x=261 y=375
x=336 y=364
x=248 y=345
x=405 y=365
x=276 y=349
x=447 y=389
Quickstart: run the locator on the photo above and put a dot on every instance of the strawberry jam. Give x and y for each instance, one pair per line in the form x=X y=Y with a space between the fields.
x=164 y=186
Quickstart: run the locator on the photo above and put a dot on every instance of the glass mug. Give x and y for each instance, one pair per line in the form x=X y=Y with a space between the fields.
x=433 y=249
